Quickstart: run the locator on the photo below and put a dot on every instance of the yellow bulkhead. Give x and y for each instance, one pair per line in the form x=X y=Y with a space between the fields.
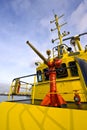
x=67 y=83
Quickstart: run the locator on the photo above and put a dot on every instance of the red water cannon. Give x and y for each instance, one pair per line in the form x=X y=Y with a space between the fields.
x=53 y=98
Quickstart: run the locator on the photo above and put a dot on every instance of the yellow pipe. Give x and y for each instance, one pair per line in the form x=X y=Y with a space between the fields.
x=79 y=44
x=33 y=91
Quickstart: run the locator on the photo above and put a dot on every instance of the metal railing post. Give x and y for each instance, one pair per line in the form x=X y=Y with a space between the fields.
x=33 y=91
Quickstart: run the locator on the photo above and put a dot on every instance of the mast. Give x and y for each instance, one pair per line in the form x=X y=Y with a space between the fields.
x=58 y=28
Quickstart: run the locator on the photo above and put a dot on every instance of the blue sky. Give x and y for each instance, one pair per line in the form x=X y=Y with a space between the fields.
x=22 y=20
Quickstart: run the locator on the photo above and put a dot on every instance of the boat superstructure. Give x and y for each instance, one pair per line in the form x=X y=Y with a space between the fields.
x=60 y=81
x=71 y=76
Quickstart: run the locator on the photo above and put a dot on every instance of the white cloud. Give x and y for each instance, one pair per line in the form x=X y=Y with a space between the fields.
x=20 y=6
x=79 y=17
x=34 y=24
x=45 y=22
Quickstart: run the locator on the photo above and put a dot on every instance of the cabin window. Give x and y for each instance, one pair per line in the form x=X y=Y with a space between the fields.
x=39 y=76
x=73 y=68
x=46 y=74
x=61 y=71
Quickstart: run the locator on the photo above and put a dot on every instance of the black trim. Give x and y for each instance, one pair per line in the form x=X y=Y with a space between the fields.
x=83 y=66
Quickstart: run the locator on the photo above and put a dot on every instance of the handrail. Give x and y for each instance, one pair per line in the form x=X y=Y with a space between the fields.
x=24 y=76
x=75 y=36
x=41 y=73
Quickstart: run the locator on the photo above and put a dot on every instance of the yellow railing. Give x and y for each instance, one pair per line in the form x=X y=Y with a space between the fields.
x=19 y=87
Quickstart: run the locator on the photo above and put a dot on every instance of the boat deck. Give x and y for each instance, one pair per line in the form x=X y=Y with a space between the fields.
x=33 y=117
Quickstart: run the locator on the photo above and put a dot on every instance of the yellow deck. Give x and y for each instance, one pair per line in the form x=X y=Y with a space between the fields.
x=16 y=116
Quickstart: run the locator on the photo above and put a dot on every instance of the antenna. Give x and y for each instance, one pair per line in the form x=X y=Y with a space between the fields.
x=58 y=27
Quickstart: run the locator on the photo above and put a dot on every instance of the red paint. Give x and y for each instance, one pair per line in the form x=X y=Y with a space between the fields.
x=18 y=88
x=53 y=99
